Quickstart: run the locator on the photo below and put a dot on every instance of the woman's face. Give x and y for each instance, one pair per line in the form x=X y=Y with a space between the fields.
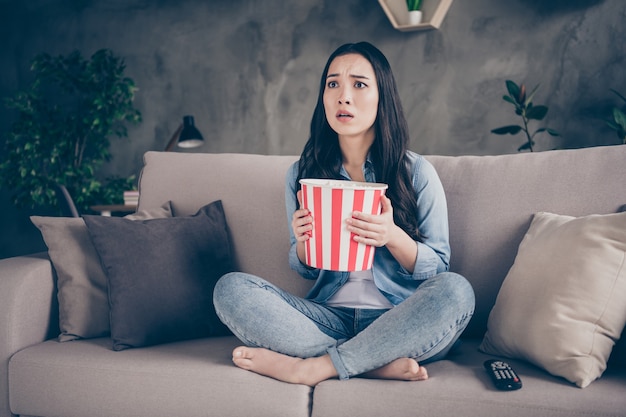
x=351 y=97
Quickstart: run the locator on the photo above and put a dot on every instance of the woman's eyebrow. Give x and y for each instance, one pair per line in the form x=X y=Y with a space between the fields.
x=361 y=77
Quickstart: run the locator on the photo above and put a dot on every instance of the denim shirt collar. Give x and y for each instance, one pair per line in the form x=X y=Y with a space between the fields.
x=368 y=170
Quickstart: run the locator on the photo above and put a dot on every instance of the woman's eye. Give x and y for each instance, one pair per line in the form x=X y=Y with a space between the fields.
x=332 y=84
x=360 y=84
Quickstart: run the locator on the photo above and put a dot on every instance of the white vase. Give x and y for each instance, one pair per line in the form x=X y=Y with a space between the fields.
x=415 y=17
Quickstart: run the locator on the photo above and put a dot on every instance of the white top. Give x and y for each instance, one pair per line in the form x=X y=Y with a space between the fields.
x=359 y=291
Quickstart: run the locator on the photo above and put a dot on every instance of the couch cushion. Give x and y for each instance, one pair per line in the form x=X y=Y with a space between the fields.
x=562 y=304
x=161 y=274
x=459 y=386
x=194 y=378
x=81 y=282
x=197 y=378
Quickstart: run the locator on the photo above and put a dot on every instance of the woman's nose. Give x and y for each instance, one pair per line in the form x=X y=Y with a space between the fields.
x=344 y=95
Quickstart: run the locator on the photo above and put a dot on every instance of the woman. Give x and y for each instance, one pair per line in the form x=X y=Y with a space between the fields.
x=381 y=323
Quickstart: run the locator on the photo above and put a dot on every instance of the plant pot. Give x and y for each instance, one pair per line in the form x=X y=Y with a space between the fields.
x=415 y=17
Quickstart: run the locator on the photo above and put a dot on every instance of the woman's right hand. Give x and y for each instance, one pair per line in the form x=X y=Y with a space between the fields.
x=302 y=222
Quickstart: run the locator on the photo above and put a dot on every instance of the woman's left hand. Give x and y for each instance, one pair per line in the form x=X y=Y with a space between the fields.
x=374 y=230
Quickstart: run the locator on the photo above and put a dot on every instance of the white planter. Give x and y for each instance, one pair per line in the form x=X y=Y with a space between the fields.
x=415 y=17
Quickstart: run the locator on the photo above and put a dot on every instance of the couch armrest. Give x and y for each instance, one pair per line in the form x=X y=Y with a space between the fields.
x=28 y=310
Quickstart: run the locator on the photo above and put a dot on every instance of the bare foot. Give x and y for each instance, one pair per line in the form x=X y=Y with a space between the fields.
x=309 y=371
x=403 y=369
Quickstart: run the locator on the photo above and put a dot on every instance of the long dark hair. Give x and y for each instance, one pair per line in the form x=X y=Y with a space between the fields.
x=321 y=157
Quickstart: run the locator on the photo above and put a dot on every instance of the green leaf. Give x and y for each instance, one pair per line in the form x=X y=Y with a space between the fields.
x=612 y=125
x=527 y=145
x=413 y=4
x=529 y=99
x=509 y=99
x=552 y=132
x=513 y=90
x=510 y=130
x=537 y=112
x=619 y=117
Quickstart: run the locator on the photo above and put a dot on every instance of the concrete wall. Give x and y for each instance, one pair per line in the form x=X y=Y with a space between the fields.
x=248 y=71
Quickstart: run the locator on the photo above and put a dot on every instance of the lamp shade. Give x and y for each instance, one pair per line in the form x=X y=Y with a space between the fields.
x=190 y=137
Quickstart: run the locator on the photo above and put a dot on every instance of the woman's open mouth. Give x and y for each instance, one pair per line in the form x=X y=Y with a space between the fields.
x=344 y=115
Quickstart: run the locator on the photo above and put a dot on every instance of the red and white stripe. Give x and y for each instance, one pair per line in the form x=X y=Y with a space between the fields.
x=331 y=245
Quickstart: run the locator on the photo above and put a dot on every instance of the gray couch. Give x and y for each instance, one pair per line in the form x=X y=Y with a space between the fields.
x=491 y=202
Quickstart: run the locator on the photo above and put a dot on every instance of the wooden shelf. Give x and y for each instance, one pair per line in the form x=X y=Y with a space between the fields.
x=433 y=12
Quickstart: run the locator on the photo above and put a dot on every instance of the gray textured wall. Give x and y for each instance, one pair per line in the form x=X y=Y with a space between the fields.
x=248 y=70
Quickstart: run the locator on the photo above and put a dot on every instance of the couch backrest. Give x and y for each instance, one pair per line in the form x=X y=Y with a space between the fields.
x=252 y=190
x=491 y=200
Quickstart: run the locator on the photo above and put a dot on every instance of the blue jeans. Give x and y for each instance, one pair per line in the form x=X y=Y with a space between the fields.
x=424 y=326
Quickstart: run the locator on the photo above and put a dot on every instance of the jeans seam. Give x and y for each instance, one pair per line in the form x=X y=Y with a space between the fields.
x=236 y=331
x=456 y=325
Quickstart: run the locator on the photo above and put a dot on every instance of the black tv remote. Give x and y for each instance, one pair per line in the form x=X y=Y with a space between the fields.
x=502 y=375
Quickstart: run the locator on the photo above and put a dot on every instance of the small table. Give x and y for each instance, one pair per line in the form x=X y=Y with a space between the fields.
x=106 y=210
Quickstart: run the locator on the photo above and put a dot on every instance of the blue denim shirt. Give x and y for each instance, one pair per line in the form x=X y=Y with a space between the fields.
x=394 y=281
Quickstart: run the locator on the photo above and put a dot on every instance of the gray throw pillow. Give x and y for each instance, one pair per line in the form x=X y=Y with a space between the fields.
x=161 y=274
x=81 y=282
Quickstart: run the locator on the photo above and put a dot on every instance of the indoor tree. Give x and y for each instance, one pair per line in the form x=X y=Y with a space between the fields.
x=63 y=124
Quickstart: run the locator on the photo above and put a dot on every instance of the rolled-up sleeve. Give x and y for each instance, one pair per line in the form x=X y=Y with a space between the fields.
x=433 y=253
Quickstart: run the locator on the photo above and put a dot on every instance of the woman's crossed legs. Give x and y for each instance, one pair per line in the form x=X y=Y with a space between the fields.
x=298 y=341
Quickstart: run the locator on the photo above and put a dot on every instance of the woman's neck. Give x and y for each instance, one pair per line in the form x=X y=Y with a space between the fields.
x=354 y=153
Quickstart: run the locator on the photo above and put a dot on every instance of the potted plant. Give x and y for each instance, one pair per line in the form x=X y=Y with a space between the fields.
x=61 y=135
x=415 y=14
x=524 y=108
x=618 y=121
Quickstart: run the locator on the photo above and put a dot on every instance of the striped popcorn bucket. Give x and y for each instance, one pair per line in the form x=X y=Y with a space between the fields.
x=331 y=202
